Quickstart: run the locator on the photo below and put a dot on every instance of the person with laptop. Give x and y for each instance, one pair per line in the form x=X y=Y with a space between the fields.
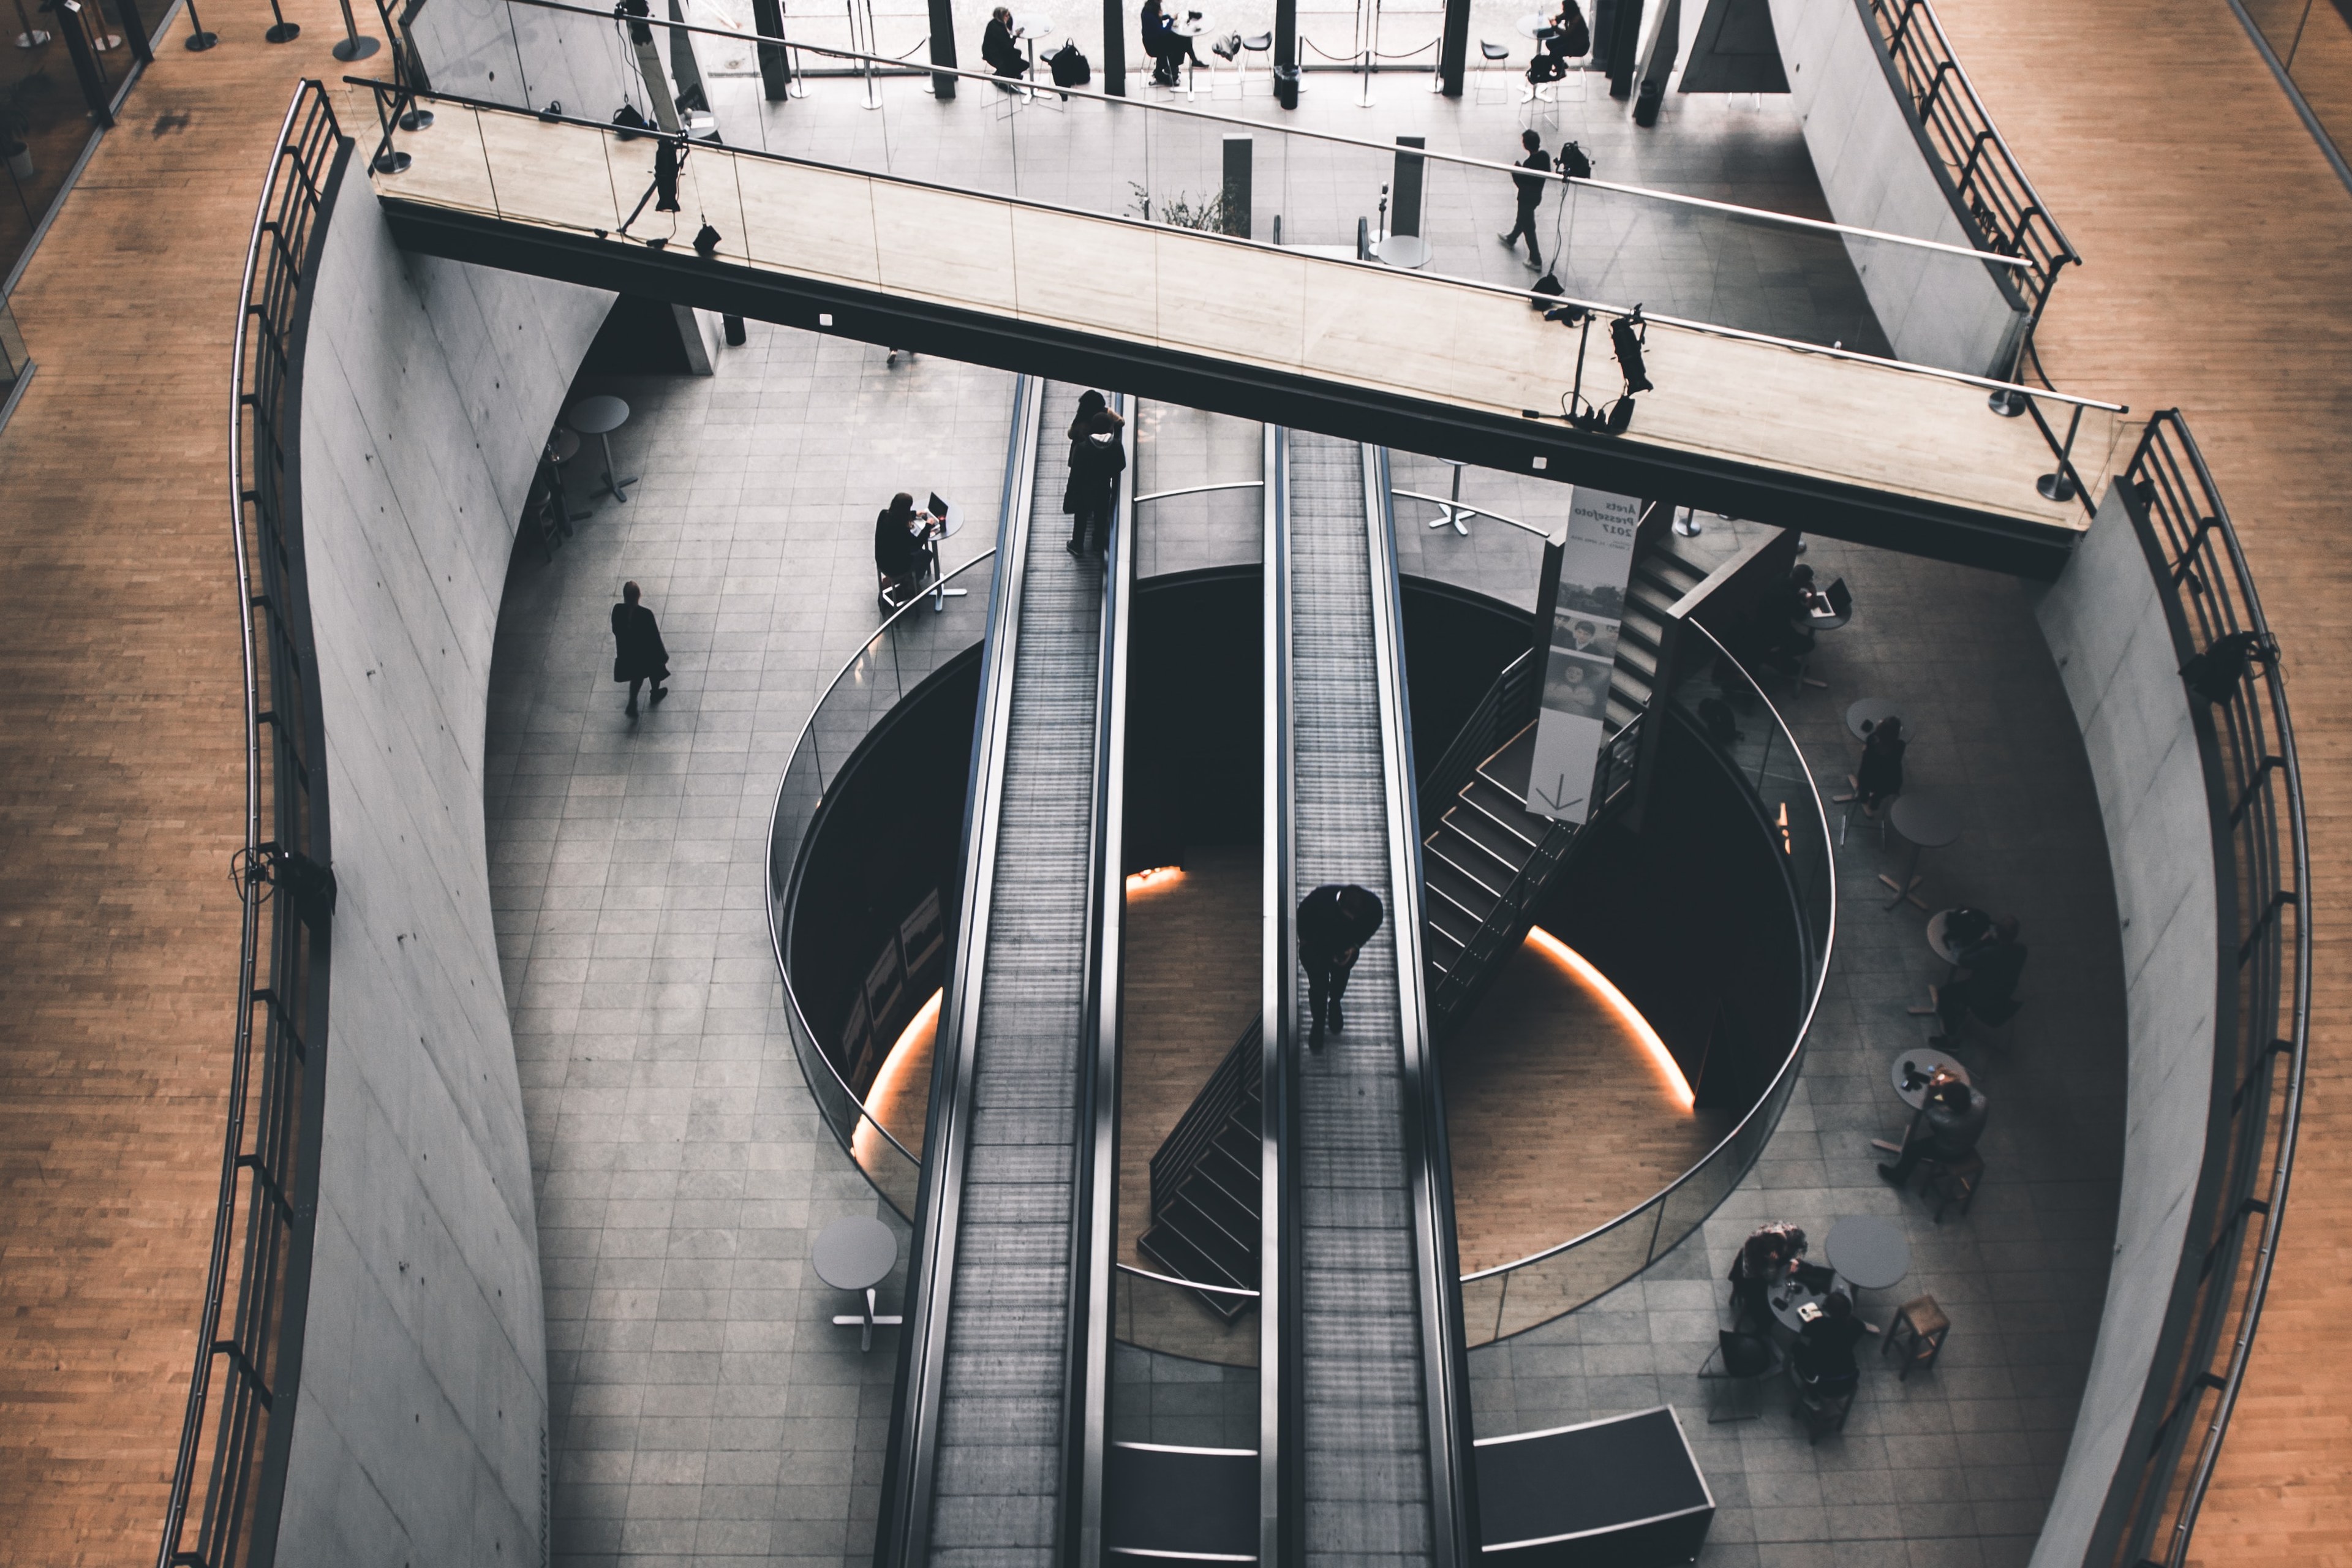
x=903 y=553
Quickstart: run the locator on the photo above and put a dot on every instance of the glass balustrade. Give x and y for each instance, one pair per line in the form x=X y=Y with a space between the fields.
x=871 y=1104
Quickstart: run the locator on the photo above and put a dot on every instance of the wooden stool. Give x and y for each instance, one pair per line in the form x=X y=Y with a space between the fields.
x=1952 y=1179
x=1920 y=1328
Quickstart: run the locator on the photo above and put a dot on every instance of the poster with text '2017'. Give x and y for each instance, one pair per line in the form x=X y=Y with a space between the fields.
x=1593 y=569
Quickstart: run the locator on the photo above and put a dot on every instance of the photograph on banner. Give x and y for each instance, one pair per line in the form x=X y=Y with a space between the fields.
x=1594 y=562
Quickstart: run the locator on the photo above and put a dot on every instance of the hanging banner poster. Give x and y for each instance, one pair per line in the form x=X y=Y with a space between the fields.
x=1594 y=566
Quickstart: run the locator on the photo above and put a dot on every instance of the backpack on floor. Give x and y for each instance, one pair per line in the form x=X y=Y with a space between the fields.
x=1070 y=67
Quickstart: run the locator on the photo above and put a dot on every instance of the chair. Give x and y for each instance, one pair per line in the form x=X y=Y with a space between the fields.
x=1229 y=50
x=1258 y=44
x=1744 y=1358
x=1947 y=1180
x=1853 y=799
x=1824 y=1403
x=1490 y=90
x=1919 y=1327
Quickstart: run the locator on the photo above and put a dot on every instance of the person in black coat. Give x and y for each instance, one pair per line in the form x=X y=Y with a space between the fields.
x=1334 y=924
x=1824 y=1355
x=1768 y=1255
x=638 y=655
x=1984 y=981
x=1531 y=187
x=1159 y=44
x=1880 y=776
x=902 y=544
x=1098 y=456
x=996 y=46
x=1947 y=1125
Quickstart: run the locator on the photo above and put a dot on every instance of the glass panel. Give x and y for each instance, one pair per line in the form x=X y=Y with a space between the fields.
x=1482 y=1309
x=1563 y=1281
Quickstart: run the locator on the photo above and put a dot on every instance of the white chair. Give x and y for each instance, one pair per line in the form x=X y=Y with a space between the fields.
x=1493 y=85
x=1228 y=51
x=1262 y=44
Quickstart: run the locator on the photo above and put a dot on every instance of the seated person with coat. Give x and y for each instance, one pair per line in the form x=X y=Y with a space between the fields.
x=1770 y=1254
x=999 y=50
x=1822 y=1360
x=1988 y=962
x=902 y=549
x=1949 y=1122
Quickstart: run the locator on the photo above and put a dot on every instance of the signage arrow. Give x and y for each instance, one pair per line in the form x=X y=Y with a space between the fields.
x=1556 y=797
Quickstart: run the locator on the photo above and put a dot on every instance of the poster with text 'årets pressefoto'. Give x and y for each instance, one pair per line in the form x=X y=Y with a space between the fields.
x=1593 y=569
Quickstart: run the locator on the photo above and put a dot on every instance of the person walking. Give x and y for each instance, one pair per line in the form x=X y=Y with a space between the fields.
x=1098 y=456
x=638 y=655
x=1334 y=924
x=1531 y=192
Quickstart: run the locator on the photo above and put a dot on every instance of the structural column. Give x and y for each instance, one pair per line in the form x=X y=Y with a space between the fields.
x=1454 y=48
x=1286 y=52
x=1114 y=60
x=943 y=51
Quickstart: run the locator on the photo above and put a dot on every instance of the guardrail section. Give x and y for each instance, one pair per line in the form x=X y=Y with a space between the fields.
x=2262 y=1014
x=239 y=1423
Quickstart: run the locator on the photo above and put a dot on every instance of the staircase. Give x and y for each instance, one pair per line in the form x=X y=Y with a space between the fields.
x=1205 y=1183
x=1489 y=856
x=1483 y=865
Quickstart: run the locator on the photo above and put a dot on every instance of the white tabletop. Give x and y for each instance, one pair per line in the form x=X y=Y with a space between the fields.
x=854 y=1253
x=1863 y=715
x=1868 y=1253
x=1938 y=940
x=595 y=415
x=1531 y=24
x=1191 y=27
x=1406 y=250
x=1924 y=821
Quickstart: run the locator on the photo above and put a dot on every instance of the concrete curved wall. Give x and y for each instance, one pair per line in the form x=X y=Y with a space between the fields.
x=419 y=1428
x=2114 y=649
x=1877 y=172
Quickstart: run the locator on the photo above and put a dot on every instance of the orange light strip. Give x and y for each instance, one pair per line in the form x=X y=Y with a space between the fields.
x=1627 y=1014
x=865 y=1142
x=1157 y=876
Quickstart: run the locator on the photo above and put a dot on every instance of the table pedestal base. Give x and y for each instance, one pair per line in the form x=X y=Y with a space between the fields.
x=866 y=1321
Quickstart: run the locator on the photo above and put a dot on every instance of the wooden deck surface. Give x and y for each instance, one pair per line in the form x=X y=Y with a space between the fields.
x=1395 y=332
x=2218 y=278
x=123 y=734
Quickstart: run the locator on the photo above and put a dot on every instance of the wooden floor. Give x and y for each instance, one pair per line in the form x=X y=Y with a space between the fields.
x=2219 y=279
x=123 y=735
x=1557 y=1117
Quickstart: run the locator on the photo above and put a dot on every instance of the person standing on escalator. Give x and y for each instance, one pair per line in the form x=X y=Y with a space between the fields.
x=1334 y=924
x=1098 y=456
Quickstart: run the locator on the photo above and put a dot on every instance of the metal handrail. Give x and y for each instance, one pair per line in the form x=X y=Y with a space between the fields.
x=2033 y=394
x=775 y=815
x=1988 y=185
x=2252 y=778
x=1188 y=1284
x=1804 y=1026
x=275 y=1180
x=1386 y=149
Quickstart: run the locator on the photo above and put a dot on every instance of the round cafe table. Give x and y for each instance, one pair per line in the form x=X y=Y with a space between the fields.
x=1924 y=823
x=599 y=417
x=857 y=1254
x=1912 y=1069
x=1863 y=713
x=1409 y=251
x=1869 y=1253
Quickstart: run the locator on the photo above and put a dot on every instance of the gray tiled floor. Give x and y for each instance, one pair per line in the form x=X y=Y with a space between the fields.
x=1955 y=1466
x=706 y=1412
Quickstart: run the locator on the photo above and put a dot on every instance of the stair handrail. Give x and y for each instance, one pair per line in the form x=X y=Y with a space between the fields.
x=1197 y=1128
x=1508 y=706
x=1507 y=923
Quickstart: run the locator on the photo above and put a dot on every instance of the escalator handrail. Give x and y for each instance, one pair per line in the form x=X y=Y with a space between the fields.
x=1282 y=1502
x=905 y=1525
x=1445 y=1367
x=1094 y=1240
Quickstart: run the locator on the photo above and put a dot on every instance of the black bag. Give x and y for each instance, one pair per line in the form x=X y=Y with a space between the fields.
x=1070 y=67
x=1576 y=36
x=1574 y=162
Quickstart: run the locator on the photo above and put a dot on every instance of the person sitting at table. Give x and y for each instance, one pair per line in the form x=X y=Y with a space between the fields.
x=997 y=47
x=1880 y=776
x=1771 y=1253
x=1778 y=629
x=1950 y=1121
x=902 y=547
x=1823 y=1356
x=1984 y=981
x=1159 y=43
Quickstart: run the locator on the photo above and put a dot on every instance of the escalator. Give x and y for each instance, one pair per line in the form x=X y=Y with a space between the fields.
x=995 y=1450
x=1372 y=1439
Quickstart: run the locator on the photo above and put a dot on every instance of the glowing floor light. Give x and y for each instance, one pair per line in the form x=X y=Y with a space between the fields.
x=865 y=1143
x=1630 y=1016
x=1158 y=877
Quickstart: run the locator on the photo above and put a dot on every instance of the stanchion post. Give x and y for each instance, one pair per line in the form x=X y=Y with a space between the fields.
x=198 y=40
x=284 y=31
x=353 y=47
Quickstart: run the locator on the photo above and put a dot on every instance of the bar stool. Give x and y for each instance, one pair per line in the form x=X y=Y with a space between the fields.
x=1919 y=1328
x=1262 y=43
x=599 y=417
x=1946 y=1180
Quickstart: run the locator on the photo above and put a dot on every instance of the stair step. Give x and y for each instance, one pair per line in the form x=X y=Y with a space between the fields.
x=1448 y=919
x=1640 y=629
x=1459 y=889
x=1176 y=1254
x=1630 y=686
x=1504 y=849
x=1618 y=714
x=1501 y=806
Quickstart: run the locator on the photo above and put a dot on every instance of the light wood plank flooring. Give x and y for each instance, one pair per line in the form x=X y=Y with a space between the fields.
x=2218 y=277
x=123 y=736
